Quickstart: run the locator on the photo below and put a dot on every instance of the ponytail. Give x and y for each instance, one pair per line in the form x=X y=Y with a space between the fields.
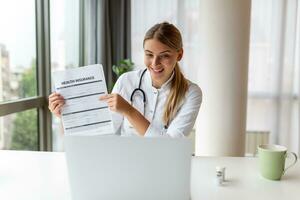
x=179 y=87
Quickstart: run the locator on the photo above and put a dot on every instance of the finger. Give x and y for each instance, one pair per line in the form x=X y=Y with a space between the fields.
x=53 y=99
x=53 y=105
x=58 y=101
x=107 y=96
x=56 y=98
x=54 y=94
x=103 y=97
x=57 y=107
x=110 y=100
x=110 y=103
x=57 y=110
x=112 y=108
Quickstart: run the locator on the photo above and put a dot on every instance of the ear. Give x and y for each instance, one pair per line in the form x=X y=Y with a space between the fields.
x=180 y=54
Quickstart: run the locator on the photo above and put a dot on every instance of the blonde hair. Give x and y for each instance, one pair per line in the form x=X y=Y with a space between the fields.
x=169 y=35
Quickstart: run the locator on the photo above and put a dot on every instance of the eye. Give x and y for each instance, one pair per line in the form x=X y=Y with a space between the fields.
x=165 y=56
x=148 y=55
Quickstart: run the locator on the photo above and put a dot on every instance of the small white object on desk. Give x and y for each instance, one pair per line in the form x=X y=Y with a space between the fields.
x=220 y=173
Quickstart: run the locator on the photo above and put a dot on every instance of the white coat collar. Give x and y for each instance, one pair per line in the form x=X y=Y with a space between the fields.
x=164 y=86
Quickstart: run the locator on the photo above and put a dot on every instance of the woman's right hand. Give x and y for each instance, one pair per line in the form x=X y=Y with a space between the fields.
x=56 y=101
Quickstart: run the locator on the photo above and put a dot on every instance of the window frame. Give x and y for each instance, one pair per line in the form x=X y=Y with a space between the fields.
x=43 y=75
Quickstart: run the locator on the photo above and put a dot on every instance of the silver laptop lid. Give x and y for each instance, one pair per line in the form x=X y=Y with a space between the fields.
x=128 y=168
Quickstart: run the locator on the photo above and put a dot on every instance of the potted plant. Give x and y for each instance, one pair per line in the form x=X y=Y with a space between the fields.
x=123 y=66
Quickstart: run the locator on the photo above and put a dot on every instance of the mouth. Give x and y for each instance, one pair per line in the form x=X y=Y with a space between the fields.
x=157 y=71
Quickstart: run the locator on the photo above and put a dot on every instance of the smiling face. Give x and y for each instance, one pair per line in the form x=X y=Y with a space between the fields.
x=160 y=60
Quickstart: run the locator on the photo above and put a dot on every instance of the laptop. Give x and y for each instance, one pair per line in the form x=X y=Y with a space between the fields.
x=128 y=168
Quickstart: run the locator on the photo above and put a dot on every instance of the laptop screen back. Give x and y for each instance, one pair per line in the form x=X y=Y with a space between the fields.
x=114 y=168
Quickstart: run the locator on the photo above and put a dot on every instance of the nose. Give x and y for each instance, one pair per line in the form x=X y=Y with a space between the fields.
x=155 y=61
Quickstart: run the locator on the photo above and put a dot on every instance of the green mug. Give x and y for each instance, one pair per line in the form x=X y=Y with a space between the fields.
x=272 y=160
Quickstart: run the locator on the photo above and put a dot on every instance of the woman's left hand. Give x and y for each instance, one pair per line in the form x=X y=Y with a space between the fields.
x=116 y=103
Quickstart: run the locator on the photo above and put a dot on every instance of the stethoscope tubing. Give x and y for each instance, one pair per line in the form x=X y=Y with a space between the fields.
x=139 y=89
x=143 y=93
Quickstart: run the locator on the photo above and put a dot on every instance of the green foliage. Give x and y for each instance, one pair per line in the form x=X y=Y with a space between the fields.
x=25 y=135
x=28 y=82
x=123 y=66
x=25 y=131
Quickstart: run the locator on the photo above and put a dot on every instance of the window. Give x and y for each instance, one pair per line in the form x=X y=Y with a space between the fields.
x=64 y=18
x=17 y=48
x=273 y=87
x=19 y=131
x=18 y=78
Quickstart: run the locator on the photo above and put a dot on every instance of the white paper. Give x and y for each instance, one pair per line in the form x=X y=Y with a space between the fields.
x=83 y=112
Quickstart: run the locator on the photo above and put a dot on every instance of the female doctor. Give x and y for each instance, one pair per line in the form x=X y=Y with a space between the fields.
x=158 y=100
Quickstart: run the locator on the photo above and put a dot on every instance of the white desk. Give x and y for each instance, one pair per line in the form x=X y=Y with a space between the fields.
x=43 y=176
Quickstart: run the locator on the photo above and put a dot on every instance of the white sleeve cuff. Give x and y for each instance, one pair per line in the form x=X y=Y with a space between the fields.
x=153 y=131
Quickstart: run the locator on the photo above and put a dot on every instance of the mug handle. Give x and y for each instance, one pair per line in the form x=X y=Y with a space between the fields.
x=296 y=158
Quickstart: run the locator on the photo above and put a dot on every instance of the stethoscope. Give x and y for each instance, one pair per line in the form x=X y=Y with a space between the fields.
x=139 y=89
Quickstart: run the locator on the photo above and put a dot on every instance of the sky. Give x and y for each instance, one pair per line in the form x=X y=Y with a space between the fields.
x=17 y=30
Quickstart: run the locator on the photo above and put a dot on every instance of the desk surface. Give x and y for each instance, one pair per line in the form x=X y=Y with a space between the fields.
x=43 y=176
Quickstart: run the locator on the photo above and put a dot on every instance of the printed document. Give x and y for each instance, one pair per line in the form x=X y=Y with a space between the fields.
x=83 y=112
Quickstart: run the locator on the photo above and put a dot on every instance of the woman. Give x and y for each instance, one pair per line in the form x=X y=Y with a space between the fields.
x=164 y=103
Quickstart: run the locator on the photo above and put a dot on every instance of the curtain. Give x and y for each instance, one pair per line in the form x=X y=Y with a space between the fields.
x=273 y=89
x=106 y=37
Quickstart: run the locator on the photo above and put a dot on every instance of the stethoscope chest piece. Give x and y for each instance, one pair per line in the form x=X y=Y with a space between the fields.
x=139 y=90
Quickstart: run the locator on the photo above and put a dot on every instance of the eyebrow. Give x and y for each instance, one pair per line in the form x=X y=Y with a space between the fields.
x=167 y=51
